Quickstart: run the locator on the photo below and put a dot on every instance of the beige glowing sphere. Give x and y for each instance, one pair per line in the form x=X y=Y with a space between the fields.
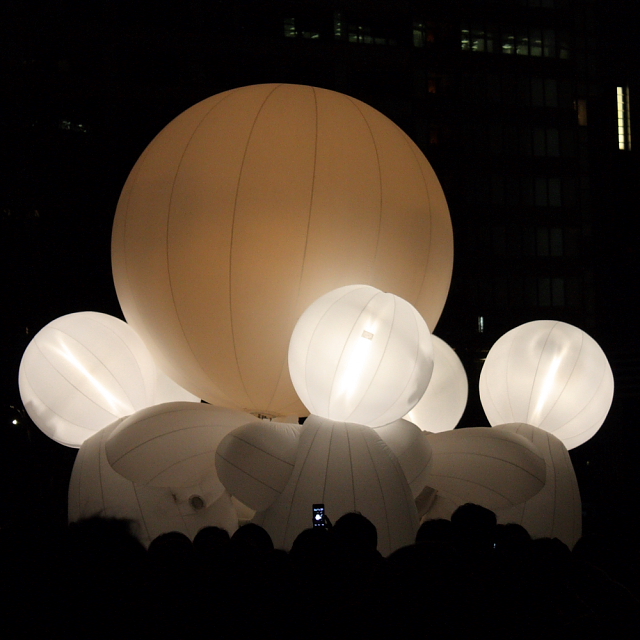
x=251 y=205
x=550 y=375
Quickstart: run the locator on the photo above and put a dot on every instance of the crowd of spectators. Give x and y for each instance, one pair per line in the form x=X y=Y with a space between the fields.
x=467 y=577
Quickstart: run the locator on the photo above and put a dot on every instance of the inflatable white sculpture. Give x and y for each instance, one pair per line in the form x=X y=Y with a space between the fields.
x=347 y=467
x=255 y=461
x=96 y=489
x=411 y=447
x=172 y=444
x=445 y=399
x=84 y=370
x=556 y=510
x=550 y=375
x=360 y=355
x=495 y=469
x=248 y=207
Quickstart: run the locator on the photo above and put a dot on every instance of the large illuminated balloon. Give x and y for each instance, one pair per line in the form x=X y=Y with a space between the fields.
x=255 y=461
x=172 y=444
x=360 y=355
x=251 y=205
x=551 y=375
x=445 y=399
x=496 y=469
x=96 y=489
x=347 y=467
x=556 y=510
x=84 y=370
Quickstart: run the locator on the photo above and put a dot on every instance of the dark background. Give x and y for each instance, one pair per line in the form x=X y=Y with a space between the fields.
x=87 y=85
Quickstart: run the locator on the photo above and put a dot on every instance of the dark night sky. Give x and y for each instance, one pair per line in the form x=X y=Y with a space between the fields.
x=117 y=74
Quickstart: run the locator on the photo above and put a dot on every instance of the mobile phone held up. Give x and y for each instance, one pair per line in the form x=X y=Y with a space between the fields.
x=318 y=515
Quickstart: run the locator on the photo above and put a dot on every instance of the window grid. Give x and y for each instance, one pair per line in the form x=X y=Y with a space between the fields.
x=624 y=123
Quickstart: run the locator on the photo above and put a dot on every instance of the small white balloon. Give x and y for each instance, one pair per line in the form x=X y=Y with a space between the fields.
x=551 y=375
x=445 y=399
x=360 y=355
x=84 y=370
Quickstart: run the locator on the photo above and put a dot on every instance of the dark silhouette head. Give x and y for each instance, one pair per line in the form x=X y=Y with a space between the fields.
x=210 y=539
x=356 y=531
x=253 y=536
x=436 y=530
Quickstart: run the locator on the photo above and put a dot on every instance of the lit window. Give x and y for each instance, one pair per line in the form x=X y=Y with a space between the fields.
x=476 y=39
x=581 y=107
x=465 y=39
x=339 y=32
x=536 y=42
x=419 y=35
x=522 y=46
x=290 y=28
x=508 y=43
x=624 y=122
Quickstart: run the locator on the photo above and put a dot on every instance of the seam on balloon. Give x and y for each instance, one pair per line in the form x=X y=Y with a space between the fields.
x=75 y=424
x=473 y=483
x=144 y=520
x=80 y=392
x=384 y=351
x=160 y=435
x=233 y=225
x=150 y=394
x=441 y=454
x=535 y=375
x=375 y=470
x=235 y=466
x=575 y=363
x=415 y=361
x=169 y=208
x=353 y=484
x=304 y=252
x=335 y=371
x=250 y=444
x=586 y=407
x=324 y=484
x=375 y=146
x=297 y=479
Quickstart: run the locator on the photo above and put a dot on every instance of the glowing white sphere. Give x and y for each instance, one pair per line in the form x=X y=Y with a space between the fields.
x=551 y=375
x=360 y=355
x=83 y=370
x=248 y=207
x=445 y=399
